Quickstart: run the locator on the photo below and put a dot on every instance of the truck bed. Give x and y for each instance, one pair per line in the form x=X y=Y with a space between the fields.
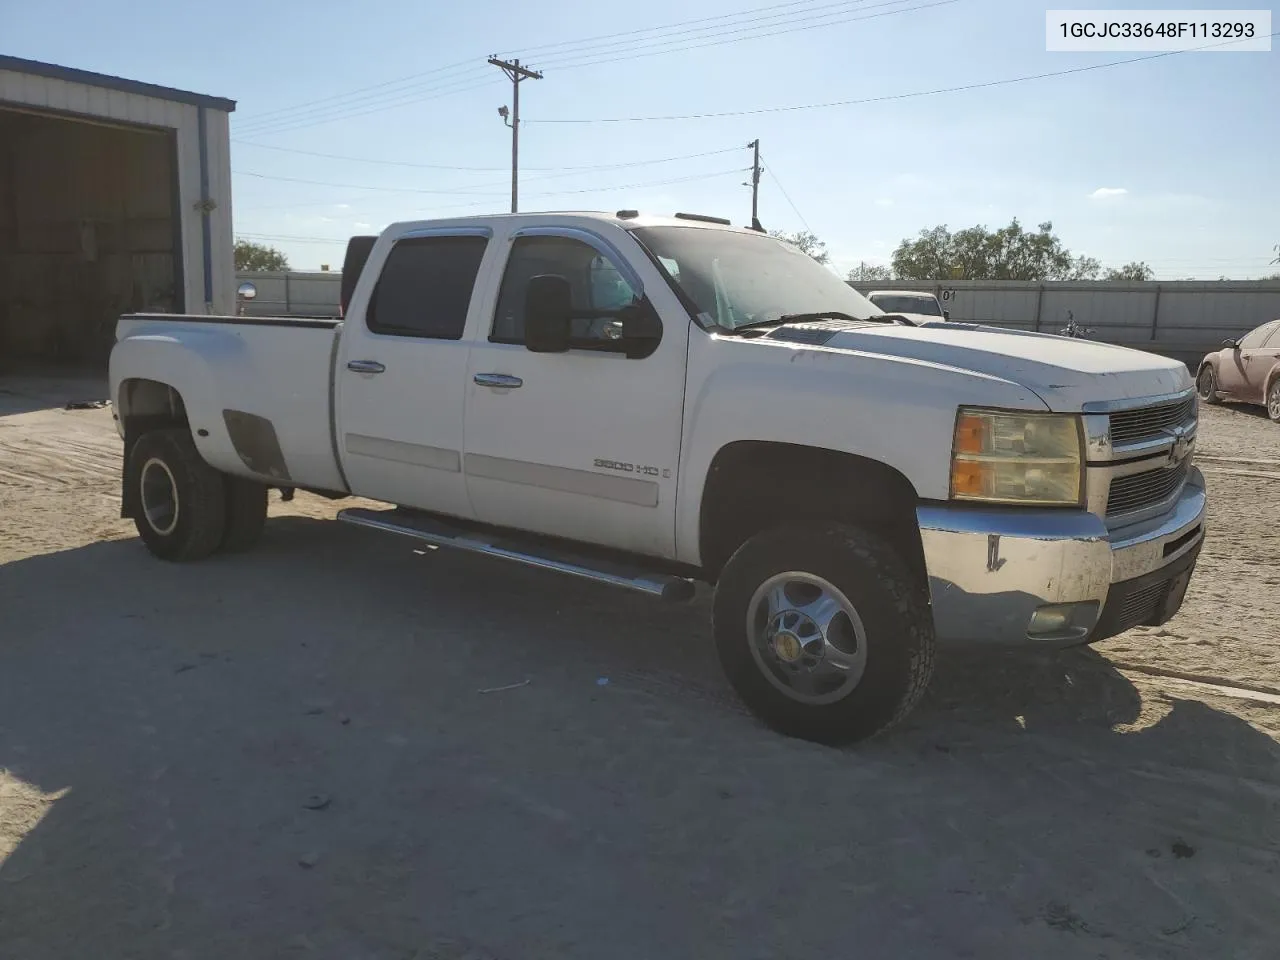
x=268 y=382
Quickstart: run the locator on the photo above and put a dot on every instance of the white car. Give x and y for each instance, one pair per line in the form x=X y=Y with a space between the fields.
x=653 y=401
x=915 y=305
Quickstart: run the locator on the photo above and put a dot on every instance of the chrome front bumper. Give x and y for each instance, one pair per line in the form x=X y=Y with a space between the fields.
x=993 y=571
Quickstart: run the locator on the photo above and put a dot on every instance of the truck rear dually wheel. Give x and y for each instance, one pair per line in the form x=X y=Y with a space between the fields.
x=824 y=633
x=182 y=501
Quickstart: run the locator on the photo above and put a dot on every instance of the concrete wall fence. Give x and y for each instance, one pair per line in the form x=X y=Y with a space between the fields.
x=293 y=293
x=1183 y=319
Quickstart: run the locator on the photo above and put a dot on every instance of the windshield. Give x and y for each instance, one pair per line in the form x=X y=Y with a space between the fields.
x=897 y=303
x=745 y=278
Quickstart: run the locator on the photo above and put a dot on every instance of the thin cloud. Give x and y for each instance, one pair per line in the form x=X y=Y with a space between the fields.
x=1108 y=193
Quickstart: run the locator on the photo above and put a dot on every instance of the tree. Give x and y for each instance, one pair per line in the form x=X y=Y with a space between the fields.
x=1137 y=270
x=870 y=271
x=259 y=257
x=807 y=243
x=976 y=253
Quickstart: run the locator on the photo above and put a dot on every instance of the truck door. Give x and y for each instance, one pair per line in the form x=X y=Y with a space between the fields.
x=401 y=381
x=582 y=444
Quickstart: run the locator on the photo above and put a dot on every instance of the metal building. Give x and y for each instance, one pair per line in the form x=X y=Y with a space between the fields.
x=115 y=196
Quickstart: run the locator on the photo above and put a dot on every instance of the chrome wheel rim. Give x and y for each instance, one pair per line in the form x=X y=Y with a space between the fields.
x=159 y=497
x=1206 y=385
x=806 y=637
x=1273 y=401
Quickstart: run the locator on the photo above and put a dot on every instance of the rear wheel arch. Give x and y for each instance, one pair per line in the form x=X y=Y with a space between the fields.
x=1272 y=377
x=1272 y=382
x=755 y=485
x=144 y=406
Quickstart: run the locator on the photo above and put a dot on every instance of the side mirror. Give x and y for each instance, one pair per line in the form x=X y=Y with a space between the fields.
x=548 y=304
x=641 y=330
x=1230 y=344
x=246 y=291
x=946 y=314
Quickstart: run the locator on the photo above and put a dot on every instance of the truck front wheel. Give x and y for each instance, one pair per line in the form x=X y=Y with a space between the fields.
x=824 y=633
x=182 y=501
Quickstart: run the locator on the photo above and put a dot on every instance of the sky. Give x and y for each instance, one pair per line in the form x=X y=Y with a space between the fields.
x=1174 y=161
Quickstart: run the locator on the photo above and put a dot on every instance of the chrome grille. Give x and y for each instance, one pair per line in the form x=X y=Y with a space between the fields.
x=1148 y=488
x=1147 y=423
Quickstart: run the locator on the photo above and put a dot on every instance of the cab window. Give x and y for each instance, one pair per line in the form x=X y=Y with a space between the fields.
x=425 y=287
x=597 y=287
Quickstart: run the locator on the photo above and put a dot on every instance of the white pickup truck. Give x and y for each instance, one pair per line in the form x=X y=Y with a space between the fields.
x=650 y=402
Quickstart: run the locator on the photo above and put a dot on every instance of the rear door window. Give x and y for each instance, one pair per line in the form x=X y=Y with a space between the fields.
x=425 y=287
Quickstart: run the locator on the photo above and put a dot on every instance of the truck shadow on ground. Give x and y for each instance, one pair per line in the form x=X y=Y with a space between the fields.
x=293 y=752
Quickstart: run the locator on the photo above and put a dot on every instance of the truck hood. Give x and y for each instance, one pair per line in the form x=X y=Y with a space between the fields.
x=1063 y=371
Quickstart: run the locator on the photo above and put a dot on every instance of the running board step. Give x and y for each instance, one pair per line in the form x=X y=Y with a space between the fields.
x=532 y=553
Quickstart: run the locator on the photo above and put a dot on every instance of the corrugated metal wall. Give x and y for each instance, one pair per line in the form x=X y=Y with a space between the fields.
x=1182 y=318
x=86 y=100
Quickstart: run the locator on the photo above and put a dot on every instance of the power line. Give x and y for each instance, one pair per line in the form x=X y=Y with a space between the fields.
x=469 y=62
x=889 y=97
x=342 y=113
x=550 y=193
x=474 y=189
x=665 y=27
x=436 y=166
x=737 y=36
x=414 y=82
x=665 y=40
x=285 y=117
x=356 y=186
x=783 y=190
x=729 y=26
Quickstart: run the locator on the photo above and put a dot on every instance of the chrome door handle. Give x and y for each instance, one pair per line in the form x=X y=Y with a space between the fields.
x=365 y=366
x=498 y=380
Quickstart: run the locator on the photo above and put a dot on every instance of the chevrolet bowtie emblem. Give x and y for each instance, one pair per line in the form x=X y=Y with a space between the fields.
x=1181 y=447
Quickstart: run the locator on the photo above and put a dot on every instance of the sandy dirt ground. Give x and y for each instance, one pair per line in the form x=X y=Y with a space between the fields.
x=290 y=754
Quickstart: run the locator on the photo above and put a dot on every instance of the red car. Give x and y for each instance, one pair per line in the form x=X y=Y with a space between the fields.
x=1245 y=370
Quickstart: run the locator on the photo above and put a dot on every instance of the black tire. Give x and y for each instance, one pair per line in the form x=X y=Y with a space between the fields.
x=1207 y=385
x=167 y=467
x=246 y=514
x=890 y=602
x=1273 y=400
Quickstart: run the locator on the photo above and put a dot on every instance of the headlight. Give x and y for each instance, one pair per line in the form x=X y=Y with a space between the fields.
x=1032 y=458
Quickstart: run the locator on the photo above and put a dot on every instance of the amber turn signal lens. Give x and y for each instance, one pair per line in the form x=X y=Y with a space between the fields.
x=971 y=432
x=968 y=479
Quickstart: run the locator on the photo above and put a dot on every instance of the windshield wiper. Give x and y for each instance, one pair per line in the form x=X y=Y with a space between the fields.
x=804 y=318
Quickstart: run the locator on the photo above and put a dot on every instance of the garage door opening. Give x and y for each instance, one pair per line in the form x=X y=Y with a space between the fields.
x=88 y=231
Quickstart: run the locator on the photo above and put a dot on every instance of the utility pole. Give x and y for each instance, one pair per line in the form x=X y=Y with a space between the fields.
x=517 y=73
x=755 y=184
